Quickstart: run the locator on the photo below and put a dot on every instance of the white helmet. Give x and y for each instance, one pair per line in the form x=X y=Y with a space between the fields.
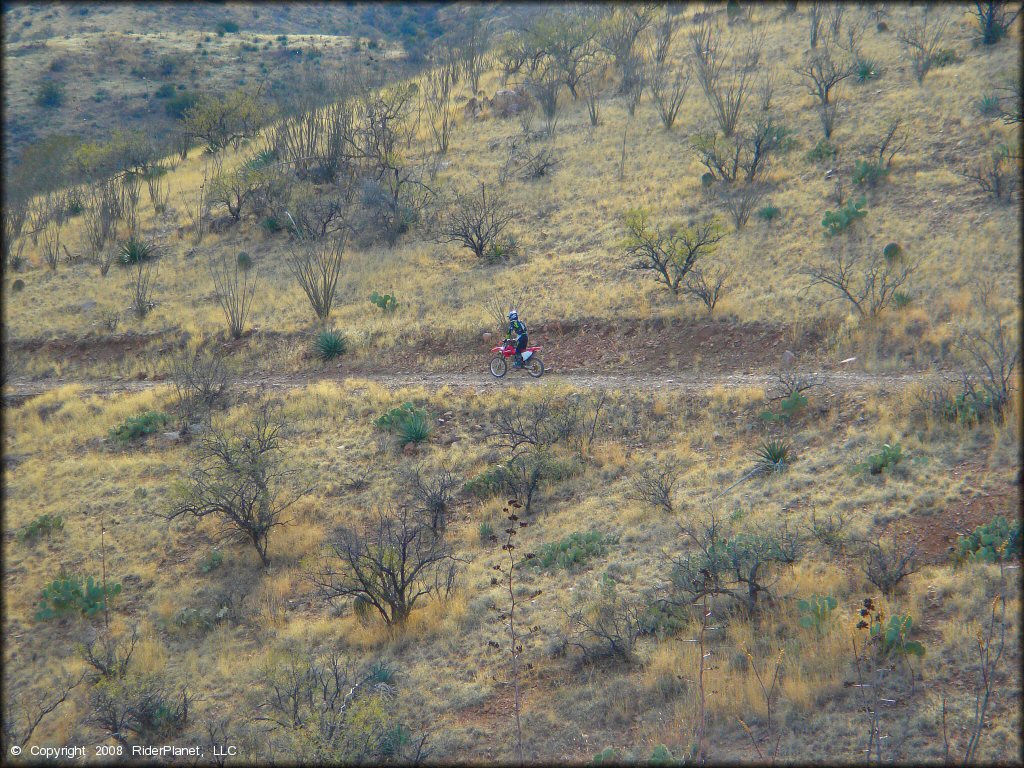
x=513 y=315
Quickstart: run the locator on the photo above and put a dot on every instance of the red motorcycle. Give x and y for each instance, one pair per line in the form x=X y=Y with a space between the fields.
x=531 y=362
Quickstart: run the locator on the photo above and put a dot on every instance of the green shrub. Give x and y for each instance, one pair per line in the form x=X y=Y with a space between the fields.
x=260 y=160
x=271 y=224
x=791 y=406
x=363 y=609
x=865 y=69
x=177 y=105
x=485 y=485
x=823 y=150
x=892 y=252
x=44 y=525
x=68 y=595
x=330 y=344
x=387 y=303
x=817 y=611
x=836 y=222
x=486 y=530
x=707 y=179
x=994 y=542
x=227 y=26
x=211 y=561
x=135 y=250
x=988 y=105
x=945 y=58
x=244 y=261
x=768 y=213
x=607 y=755
x=869 y=173
x=572 y=551
x=50 y=95
x=902 y=299
x=381 y=672
x=18 y=285
x=887 y=458
x=409 y=424
x=135 y=427
x=165 y=91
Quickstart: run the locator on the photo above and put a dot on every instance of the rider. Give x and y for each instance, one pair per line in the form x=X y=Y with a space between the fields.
x=517 y=327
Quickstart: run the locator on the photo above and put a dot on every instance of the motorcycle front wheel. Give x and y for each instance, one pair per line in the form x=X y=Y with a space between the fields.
x=535 y=367
x=498 y=366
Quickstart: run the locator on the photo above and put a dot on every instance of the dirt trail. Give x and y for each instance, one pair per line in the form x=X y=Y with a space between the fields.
x=17 y=390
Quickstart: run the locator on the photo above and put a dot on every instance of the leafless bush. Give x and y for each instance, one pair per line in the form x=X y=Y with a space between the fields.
x=391 y=564
x=621 y=29
x=741 y=200
x=21 y=716
x=706 y=286
x=525 y=163
x=593 y=91
x=15 y=214
x=987 y=360
x=892 y=143
x=499 y=304
x=235 y=288
x=543 y=423
x=140 y=283
x=156 y=184
x=431 y=494
x=887 y=562
x=139 y=705
x=868 y=283
x=815 y=16
x=51 y=244
x=996 y=174
x=545 y=85
x=317 y=267
x=107 y=654
x=609 y=627
x=921 y=36
x=655 y=483
x=238 y=479
x=668 y=85
x=101 y=213
x=437 y=92
x=726 y=87
x=828 y=530
x=196 y=206
x=201 y=383
x=130 y=190
x=315 y=216
x=789 y=382
x=476 y=220
x=824 y=73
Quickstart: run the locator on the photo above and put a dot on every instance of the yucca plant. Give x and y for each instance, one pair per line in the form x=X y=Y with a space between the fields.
x=773 y=455
x=415 y=428
x=136 y=250
x=330 y=344
x=864 y=70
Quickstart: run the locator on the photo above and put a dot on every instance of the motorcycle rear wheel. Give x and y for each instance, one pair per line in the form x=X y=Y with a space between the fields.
x=498 y=366
x=535 y=367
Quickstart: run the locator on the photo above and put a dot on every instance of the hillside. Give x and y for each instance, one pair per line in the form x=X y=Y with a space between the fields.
x=330 y=535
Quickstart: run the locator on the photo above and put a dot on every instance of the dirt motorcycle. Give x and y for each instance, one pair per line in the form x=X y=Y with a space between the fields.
x=531 y=361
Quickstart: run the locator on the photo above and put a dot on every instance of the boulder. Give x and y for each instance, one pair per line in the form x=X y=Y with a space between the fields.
x=788 y=358
x=472 y=109
x=508 y=102
x=487 y=338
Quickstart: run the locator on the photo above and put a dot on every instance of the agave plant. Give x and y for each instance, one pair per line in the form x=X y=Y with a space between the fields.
x=136 y=250
x=773 y=455
x=329 y=345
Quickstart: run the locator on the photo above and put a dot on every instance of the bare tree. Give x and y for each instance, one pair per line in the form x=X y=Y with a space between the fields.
x=235 y=289
x=892 y=143
x=51 y=243
x=317 y=266
x=868 y=283
x=238 y=479
x=740 y=200
x=706 y=286
x=887 y=562
x=476 y=220
x=431 y=494
x=437 y=92
x=668 y=85
x=15 y=213
x=824 y=73
x=21 y=717
x=391 y=564
x=669 y=253
x=726 y=87
x=621 y=28
x=201 y=383
x=987 y=360
x=196 y=207
x=815 y=16
x=545 y=85
x=921 y=37
x=566 y=37
x=655 y=484
x=101 y=213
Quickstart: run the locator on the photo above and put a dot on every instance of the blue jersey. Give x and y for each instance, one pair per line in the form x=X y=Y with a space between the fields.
x=516 y=327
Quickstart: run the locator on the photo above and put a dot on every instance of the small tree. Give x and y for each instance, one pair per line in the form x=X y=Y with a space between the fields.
x=726 y=88
x=824 y=73
x=437 y=89
x=987 y=361
x=235 y=289
x=706 y=286
x=201 y=383
x=317 y=266
x=667 y=85
x=431 y=495
x=238 y=478
x=390 y=565
x=996 y=173
x=868 y=283
x=140 y=283
x=476 y=220
x=670 y=254
x=921 y=37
